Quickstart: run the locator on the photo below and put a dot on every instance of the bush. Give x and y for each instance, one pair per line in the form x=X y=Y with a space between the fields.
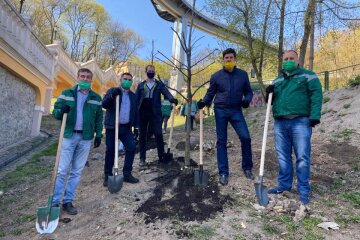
x=354 y=81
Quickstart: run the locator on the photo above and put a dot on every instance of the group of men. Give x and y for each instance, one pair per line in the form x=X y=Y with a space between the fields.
x=297 y=99
x=138 y=112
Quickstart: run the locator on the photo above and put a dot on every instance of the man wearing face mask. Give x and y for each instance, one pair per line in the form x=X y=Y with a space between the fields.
x=297 y=100
x=127 y=119
x=84 y=118
x=231 y=88
x=148 y=96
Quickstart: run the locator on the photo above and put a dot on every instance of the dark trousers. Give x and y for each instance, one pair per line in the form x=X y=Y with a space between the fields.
x=127 y=138
x=165 y=120
x=235 y=117
x=148 y=120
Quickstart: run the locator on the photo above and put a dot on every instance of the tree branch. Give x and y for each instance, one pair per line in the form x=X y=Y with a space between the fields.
x=197 y=89
x=172 y=89
x=204 y=57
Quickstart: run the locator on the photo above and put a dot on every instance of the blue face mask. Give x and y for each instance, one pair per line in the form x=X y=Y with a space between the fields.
x=150 y=75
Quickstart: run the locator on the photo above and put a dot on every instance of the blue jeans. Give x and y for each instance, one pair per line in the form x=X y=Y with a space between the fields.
x=235 y=116
x=293 y=134
x=74 y=154
x=127 y=138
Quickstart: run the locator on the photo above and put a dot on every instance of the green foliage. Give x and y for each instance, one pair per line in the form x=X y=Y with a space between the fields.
x=353 y=197
x=354 y=81
x=2 y=233
x=326 y=99
x=25 y=218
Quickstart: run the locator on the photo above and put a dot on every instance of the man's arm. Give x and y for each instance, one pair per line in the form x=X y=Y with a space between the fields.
x=60 y=102
x=210 y=94
x=316 y=97
x=99 y=121
x=247 y=92
x=109 y=98
x=166 y=92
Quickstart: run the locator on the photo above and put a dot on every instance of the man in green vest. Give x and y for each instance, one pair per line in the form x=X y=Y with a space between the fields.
x=84 y=119
x=297 y=100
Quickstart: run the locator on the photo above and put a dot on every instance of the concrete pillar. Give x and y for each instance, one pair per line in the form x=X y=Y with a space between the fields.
x=36 y=123
x=48 y=96
x=176 y=79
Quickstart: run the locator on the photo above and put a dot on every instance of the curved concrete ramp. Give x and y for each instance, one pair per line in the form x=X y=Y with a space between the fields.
x=171 y=10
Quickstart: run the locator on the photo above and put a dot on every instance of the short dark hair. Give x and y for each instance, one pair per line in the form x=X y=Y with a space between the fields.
x=84 y=70
x=147 y=66
x=229 y=50
x=126 y=73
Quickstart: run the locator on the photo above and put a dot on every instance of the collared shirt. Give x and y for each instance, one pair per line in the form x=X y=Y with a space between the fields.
x=80 y=101
x=150 y=83
x=124 y=114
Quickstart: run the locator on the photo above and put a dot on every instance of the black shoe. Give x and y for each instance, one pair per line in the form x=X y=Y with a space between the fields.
x=142 y=163
x=223 y=180
x=105 y=183
x=248 y=174
x=131 y=179
x=69 y=208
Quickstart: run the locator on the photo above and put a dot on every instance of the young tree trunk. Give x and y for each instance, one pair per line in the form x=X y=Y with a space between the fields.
x=310 y=13
x=281 y=35
x=312 y=43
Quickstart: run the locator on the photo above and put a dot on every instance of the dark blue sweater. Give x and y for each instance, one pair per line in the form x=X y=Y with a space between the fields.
x=230 y=89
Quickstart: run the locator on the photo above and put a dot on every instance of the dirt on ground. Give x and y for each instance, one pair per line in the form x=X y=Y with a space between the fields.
x=167 y=205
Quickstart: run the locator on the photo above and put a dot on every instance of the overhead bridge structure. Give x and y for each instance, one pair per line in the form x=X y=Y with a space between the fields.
x=179 y=12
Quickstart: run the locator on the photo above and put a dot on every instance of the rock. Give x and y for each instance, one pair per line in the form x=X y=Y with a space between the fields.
x=258 y=207
x=1 y=193
x=278 y=208
x=328 y=225
x=97 y=156
x=300 y=214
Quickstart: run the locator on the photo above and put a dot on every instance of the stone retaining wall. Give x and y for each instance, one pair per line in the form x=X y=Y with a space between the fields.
x=17 y=103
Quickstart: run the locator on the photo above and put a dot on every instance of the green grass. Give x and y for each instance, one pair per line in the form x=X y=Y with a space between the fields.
x=2 y=233
x=34 y=168
x=326 y=99
x=345 y=219
x=346 y=106
x=25 y=218
x=289 y=223
x=271 y=229
x=353 y=197
x=16 y=232
x=345 y=134
x=201 y=232
x=310 y=225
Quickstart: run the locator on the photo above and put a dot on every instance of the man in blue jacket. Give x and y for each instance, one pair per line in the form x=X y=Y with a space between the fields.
x=231 y=88
x=148 y=96
x=127 y=120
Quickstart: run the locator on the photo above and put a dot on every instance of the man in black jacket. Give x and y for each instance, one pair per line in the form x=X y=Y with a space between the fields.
x=148 y=96
x=127 y=120
x=231 y=88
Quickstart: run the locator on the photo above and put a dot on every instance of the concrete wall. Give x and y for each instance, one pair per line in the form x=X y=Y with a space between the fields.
x=17 y=103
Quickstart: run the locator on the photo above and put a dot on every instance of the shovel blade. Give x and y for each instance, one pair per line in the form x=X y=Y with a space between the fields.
x=115 y=183
x=261 y=194
x=201 y=177
x=47 y=219
x=167 y=157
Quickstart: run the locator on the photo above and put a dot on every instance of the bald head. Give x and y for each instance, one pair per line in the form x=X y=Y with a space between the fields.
x=291 y=55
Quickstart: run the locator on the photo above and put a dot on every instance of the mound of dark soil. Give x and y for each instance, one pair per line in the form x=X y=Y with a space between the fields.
x=176 y=197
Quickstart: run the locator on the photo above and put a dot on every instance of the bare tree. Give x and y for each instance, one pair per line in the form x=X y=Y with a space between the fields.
x=186 y=68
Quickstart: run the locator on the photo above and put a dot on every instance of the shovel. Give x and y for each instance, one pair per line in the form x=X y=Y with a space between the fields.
x=47 y=218
x=168 y=156
x=260 y=189
x=201 y=177
x=115 y=182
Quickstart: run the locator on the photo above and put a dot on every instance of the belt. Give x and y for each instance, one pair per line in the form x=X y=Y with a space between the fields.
x=78 y=131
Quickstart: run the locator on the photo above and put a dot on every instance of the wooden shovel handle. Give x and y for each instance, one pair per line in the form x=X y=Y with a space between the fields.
x=172 y=126
x=116 y=159
x=263 y=149
x=58 y=152
x=201 y=136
